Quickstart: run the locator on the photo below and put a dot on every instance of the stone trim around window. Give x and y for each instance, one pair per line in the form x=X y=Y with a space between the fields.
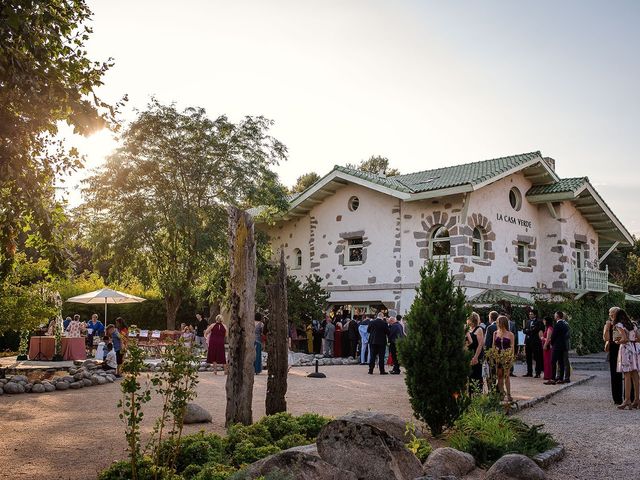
x=341 y=247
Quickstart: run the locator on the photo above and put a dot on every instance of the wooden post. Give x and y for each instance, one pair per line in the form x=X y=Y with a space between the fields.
x=277 y=350
x=243 y=274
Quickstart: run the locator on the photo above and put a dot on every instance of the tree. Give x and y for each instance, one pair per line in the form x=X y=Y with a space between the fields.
x=46 y=78
x=375 y=164
x=305 y=301
x=304 y=181
x=160 y=200
x=26 y=297
x=433 y=351
x=631 y=278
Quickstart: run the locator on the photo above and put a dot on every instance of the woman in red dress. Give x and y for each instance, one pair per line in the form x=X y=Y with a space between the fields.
x=547 y=350
x=215 y=355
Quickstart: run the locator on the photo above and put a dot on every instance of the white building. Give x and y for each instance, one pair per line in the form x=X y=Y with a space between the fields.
x=508 y=223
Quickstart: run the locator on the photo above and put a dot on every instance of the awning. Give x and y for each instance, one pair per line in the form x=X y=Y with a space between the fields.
x=493 y=297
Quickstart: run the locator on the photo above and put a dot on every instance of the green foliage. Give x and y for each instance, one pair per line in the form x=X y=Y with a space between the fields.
x=433 y=353
x=310 y=424
x=215 y=471
x=247 y=452
x=375 y=164
x=586 y=318
x=280 y=425
x=420 y=447
x=159 y=201
x=304 y=181
x=292 y=440
x=27 y=297
x=305 y=301
x=145 y=470
x=47 y=79
x=487 y=433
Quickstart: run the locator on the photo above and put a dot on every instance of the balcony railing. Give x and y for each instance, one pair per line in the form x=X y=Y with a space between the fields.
x=590 y=280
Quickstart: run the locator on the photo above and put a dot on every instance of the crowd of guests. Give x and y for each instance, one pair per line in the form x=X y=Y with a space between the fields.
x=621 y=339
x=546 y=342
x=370 y=337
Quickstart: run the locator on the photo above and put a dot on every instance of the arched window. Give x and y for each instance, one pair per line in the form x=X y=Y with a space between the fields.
x=477 y=248
x=439 y=243
x=297 y=259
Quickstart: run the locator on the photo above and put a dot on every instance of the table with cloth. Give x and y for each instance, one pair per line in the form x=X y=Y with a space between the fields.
x=73 y=348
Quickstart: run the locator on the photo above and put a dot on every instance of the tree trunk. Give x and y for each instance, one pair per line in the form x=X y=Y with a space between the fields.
x=243 y=275
x=277 y=350
x=172 y=304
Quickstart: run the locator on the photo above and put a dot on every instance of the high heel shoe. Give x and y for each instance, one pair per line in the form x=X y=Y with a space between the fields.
x=635 y=405
x=624 y=405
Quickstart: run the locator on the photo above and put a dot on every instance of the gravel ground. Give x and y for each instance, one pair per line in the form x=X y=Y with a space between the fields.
x=601 y=441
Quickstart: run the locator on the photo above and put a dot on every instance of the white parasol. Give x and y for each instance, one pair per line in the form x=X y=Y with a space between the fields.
x=105 y=296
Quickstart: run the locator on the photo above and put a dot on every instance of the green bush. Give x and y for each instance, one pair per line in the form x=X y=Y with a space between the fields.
x=310 y=424
x=293 y=440
x=257 y=434
x=435 y=344
x=146 y=471
x=421 y=448
x=487 y=433
x=280 y=425
x=197 y=450
x=215 y=471
x=247 y=452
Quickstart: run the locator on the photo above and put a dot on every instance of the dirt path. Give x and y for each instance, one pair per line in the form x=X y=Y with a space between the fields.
x=601 y=441
x=72 y=435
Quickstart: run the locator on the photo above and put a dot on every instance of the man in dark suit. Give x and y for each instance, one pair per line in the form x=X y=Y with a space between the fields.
x=560 y=344
x=378 y=333
x=491 y=329
x=533 y=344
x=354 y=336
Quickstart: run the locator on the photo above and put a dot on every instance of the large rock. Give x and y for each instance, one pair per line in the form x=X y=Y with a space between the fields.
x=37 y=388
x=351 y=443
x=392 y=424
x=308 y=449
x=13 y=388
x=448 y=461
x=87 y=382
x=48 y=387
x=62 y=385
x=515 y=467
x=76 y=385
x=68 y=379
x=297 y=465
x=19 y=378
x=196 y=414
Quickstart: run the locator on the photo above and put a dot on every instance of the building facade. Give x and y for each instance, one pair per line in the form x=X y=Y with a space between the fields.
x=508 y=223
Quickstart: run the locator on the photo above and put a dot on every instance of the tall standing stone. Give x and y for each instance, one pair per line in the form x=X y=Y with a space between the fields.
x=243 y=275
x=277 y=342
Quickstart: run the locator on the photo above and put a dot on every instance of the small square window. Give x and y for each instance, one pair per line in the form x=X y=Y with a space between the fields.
x=523 y=254
x=354 y=251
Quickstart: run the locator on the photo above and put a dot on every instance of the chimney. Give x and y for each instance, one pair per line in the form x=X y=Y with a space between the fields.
x=550 y=162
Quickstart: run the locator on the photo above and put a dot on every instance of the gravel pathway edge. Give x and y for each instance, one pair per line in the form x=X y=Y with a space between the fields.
x=534 y=401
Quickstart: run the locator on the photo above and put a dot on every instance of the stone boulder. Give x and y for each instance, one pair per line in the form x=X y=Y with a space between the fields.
x=392 y=424
x=355 y=445
x=448 y=461
x=308 y=449
x=37 y=388
x=62 y=385
x=48 y=387
x=87 y=382
x=19 y=378
x=296 y=465
x=515 y=467
x=76 y=385
x=13 y=388
x=196 y=414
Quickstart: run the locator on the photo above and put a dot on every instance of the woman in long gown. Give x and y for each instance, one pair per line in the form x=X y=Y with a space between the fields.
x=337 y=343
x=503 y=340
x=613 y=348
x=216 y=354
x=547 y=349
x=628 y=358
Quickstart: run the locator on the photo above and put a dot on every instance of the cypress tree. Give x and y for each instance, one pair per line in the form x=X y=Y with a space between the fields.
x=437 y=364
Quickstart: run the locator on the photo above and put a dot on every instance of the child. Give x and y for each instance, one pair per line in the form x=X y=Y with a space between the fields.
x=101 y=351
x=110 y=361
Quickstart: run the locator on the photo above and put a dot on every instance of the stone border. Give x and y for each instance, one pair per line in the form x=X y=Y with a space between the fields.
x=534 y=401
x=551 y=456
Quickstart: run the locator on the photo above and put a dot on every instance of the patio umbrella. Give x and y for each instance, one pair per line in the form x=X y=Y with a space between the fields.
x=105 y=296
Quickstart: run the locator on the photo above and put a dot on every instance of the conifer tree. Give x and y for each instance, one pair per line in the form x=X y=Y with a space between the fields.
x=433 y=353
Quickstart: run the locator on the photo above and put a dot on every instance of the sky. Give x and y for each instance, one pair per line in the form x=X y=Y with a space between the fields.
x=424 y=83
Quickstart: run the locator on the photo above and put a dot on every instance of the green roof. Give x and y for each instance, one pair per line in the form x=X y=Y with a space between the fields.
x=493 y=297
x=465 y=174
x=563 y=186
x=390 y=182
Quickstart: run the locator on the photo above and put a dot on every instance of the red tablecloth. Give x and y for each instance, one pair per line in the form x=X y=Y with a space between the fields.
x=72 y=348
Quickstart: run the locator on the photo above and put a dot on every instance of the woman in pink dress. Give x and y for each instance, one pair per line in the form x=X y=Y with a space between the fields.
x=628 y=357
x=547 y=349
x=215 y=355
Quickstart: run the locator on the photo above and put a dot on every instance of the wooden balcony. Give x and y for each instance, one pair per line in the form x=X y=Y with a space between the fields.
x=590 y=280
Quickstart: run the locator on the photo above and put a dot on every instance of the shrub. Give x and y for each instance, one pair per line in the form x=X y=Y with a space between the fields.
x=293 y=440
x=257 y=434
x=433 y=352
x=280 y=424
x=246 y=452
x=144 y=468
x=215 y=471
x=487 y=433
x=310 y=424
x=197 y=451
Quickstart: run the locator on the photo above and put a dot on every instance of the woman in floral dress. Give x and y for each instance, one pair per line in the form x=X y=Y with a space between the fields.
x=628 y=357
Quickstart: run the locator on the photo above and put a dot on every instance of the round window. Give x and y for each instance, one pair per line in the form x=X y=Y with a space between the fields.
x=354 y=203
x=515 y=198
